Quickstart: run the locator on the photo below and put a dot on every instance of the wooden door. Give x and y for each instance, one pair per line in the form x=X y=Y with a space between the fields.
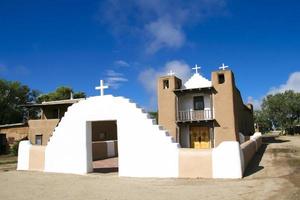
x=199 y=137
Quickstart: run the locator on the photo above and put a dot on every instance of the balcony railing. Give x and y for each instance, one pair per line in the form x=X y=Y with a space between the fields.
x=194 y=115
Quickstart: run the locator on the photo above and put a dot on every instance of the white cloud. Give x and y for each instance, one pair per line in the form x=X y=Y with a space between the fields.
x=293 y=83
x=121 y=63
x=255 y=102
x=115 y=79
x=164 y=34
x=157 y=24
x=148 y=77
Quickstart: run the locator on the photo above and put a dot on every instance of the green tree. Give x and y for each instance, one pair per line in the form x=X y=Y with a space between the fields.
x=61 y=93
x=12 y=96
x=154 y=115
x=261 y=119
x=283 y=109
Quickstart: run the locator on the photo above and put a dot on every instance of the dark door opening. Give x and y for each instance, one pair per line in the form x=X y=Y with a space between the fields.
x=3 y=144
x=105 y=146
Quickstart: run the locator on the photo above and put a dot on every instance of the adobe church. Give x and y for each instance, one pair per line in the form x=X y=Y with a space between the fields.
x=204 y=131
x=202 y=113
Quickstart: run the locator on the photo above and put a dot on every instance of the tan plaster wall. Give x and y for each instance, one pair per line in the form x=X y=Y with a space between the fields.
x=37 y=158
x=15 y=133
x=167 y=104
x=231 y=115
x=224 y=113
x=42 y=127
x=195 y=163
x=248 y=149
x=244 y=115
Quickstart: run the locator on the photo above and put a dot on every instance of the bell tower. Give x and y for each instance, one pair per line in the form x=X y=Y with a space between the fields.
x=167 y=103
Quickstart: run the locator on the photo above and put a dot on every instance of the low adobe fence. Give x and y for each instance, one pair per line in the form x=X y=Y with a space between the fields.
x=227 y=160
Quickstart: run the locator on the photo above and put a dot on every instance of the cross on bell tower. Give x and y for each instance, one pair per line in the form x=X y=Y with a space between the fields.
x=196 y=69
x=223 y=67
x=171 y=73
x=101 y=87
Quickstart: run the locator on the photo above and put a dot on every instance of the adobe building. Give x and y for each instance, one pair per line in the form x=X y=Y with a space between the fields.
x=204 y=123
x=202 y=113
x=10 y=133
x=39 y=130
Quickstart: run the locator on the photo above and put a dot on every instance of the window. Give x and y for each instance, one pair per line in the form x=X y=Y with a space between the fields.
x=178 y=84
x=199 y=103
x=221 y=78
x=38 y=139
x=165 y=84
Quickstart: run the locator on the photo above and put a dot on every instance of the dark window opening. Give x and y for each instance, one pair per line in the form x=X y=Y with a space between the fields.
x=166 y=84
x=178 y=84
x=221 y=78
x=55 y=114
x=199 y=103
x=38 y=139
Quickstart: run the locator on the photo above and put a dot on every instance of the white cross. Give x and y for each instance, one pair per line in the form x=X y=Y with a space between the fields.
x=223 y=67
x=101 y=87
x=196 y=68
x=171 y=73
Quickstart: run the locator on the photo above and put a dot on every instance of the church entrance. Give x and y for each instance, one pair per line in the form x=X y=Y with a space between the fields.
x=199 y=137
x=104 y=146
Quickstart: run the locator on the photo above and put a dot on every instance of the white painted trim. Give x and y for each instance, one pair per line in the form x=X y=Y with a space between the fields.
x=23 y=155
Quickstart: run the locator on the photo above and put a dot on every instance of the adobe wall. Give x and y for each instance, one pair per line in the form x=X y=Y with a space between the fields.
x=37 y=158
x=224 y=111
x=15 y=133
x=195 y=163
x=167 y=104
x=104 y=149
x=250 y=147
x=31 y=157
x=41 y=127
x=244 y=115
x=231 y=115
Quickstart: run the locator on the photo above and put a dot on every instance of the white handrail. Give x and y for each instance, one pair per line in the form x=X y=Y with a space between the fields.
x=194 y=115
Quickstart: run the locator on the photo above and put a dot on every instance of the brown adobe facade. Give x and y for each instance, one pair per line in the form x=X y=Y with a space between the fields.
x=205 y=116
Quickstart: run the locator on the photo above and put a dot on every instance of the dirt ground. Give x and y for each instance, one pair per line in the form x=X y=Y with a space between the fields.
x=274 y=173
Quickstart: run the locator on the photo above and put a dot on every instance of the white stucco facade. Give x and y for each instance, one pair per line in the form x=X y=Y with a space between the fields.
x=227 y=160
x=144 y=149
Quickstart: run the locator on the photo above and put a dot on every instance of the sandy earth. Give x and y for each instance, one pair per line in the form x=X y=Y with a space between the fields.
x=273 y=174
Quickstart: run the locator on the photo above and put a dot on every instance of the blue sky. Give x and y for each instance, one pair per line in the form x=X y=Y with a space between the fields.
x=128 y=43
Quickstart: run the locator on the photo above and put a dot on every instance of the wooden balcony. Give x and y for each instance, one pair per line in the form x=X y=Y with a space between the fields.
x=194 y=115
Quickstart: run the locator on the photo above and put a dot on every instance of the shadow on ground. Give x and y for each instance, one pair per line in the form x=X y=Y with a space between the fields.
x=254 y=166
